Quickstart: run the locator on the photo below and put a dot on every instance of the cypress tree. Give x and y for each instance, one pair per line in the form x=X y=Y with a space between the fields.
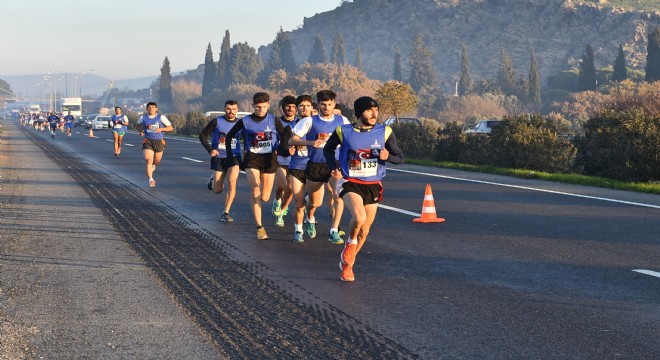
x=287 y=57
x=506 y=75
x=165 y=85
x=318 y=55
x=653 y=56
x=620 y=71
x=209 y=81
x=245 y=64
x=358 y=58
x=398 y=73
x=338 y=54
x=465 y=80
x=223 y=62
x=588 y=70
x=421 y=65
x=534 y=79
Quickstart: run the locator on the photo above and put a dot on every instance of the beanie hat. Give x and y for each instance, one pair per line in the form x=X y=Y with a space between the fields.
x=362 y=104
x=287 y=100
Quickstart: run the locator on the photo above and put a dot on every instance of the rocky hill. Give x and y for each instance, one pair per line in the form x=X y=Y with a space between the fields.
x=558 y=30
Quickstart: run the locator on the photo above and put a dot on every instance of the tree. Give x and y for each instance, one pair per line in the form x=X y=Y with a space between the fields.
x=358 y=58
x=398 y=74
x=465 y=80
x=338 y=54
x=183 y=91
x=587 y=74
x=210 y=80
x=165 y=84
x=396 y=98
x=281 y=57
x=223 y=62
x=318 y=55
x=534 y=79
x=506 y=75
x=245 y=64
x=347 y=81
x=653 y=56
x=620 y=72
x=287 y=56
x=422 y=72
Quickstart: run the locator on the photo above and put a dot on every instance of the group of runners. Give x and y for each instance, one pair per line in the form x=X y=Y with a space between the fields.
x=299 y=155
x=42 y=121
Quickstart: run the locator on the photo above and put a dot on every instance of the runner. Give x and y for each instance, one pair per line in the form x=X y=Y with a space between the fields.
x=314 y=131
x=151 y=126
x=282 y=182
x=260 y=149
x=119 y=127
x=361 y=161
x=68 y=123
x=223 y=167
x=53 y=121
x=296 y=171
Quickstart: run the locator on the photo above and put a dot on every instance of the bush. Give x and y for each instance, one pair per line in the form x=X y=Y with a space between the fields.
x=415 y=141
x=621 y=145
x=450 y=141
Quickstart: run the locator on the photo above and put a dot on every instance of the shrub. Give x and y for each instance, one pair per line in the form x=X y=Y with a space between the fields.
x=415 y=141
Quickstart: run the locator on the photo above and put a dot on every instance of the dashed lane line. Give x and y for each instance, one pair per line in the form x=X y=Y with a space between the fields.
x=529 y=188
x=193 y=160
x=648 y=272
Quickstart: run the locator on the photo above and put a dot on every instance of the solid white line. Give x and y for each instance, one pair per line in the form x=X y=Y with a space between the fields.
x=399 y=210
x=128 y=145
x=109 y=140
x=530 y=188
x=186 y=158
x=648 y=272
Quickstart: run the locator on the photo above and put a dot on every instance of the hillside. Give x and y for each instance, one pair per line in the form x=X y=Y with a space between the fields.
x=558 y=30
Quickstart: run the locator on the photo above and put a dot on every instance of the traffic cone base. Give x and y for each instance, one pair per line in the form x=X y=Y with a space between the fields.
x=428 y=209
x=91 y=133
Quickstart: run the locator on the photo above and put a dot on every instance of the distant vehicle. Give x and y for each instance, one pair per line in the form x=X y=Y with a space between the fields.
x=402 y=120
x=34 y=109
x=87 y=120
x=80 y=120
x=100 y=122
x=71 y=104
x=483 y=127
x=215 y=114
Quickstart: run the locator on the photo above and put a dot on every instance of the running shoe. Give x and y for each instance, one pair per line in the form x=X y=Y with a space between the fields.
x=279 y=221
x=335 y=238
x=310 y=229
x=226 y=218
x=209 y=184
x=341 y=232
x=346 y=272
x=349 y=253
x=285 y=211
x=261 y=233
x=152 y=182
x=276 y=210
x=298 y=236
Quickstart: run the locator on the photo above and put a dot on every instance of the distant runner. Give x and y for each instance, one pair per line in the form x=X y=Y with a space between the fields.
x=151 y=126
x=119 y=126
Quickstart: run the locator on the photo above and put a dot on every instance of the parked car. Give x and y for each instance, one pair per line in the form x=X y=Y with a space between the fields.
x=79 y=121
x=483 y=127
x=87 y=120
x=402 y=120
x=101 y=122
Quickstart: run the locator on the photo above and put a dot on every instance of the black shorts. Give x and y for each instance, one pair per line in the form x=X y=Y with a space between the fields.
x=223 y=164
x=370 y=193
x=317 y=172
x=265 y=163
x=155 y=145
x=298 y=174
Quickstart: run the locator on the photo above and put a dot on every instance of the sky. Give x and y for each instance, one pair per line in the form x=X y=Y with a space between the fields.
x=124 y=39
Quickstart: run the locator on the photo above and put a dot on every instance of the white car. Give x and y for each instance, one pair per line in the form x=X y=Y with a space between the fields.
x=101 y=122
x=483 y=127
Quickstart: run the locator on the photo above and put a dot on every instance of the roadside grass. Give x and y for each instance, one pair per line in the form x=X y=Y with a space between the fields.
x=648 y=187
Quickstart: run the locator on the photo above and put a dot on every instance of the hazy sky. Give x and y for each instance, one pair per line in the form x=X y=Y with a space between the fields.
x=122 y=39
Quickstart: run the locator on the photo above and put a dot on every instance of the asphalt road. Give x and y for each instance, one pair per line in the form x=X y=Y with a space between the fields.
x=520 y=269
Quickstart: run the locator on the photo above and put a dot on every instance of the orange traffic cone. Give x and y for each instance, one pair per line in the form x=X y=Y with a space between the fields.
x=91 y=133
x=428 y=209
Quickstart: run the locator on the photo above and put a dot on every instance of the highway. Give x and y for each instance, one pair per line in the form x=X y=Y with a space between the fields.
x=520 y=269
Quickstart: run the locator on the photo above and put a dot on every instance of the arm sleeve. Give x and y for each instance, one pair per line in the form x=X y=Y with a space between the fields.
x=165 y=120
x=230 y=135
x=396 y=155
x=303 y=126
x=204 y=135
x=283 y=149
x=329 y=149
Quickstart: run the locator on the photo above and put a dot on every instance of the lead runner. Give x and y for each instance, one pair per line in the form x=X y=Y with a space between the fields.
x=365 y=146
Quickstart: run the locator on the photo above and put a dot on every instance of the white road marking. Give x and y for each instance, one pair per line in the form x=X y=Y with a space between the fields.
x=128 y=145
x=109 y=140
x=648 y=272
x=399 y=210
x=530 y=188
x=189 y=159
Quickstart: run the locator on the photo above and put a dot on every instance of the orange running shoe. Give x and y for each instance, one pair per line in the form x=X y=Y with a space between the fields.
x=349 y=253
x=346 y=272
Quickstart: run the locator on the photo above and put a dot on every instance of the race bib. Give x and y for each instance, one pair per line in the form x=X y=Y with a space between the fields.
x=361 y=163
x=119 y=126
x=221 y=143
x=153 y=127
x=262 y=143
x=323 y=136
x=302 y=151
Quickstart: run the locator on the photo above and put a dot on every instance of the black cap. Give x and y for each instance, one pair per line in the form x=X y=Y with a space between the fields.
x=362 y=104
